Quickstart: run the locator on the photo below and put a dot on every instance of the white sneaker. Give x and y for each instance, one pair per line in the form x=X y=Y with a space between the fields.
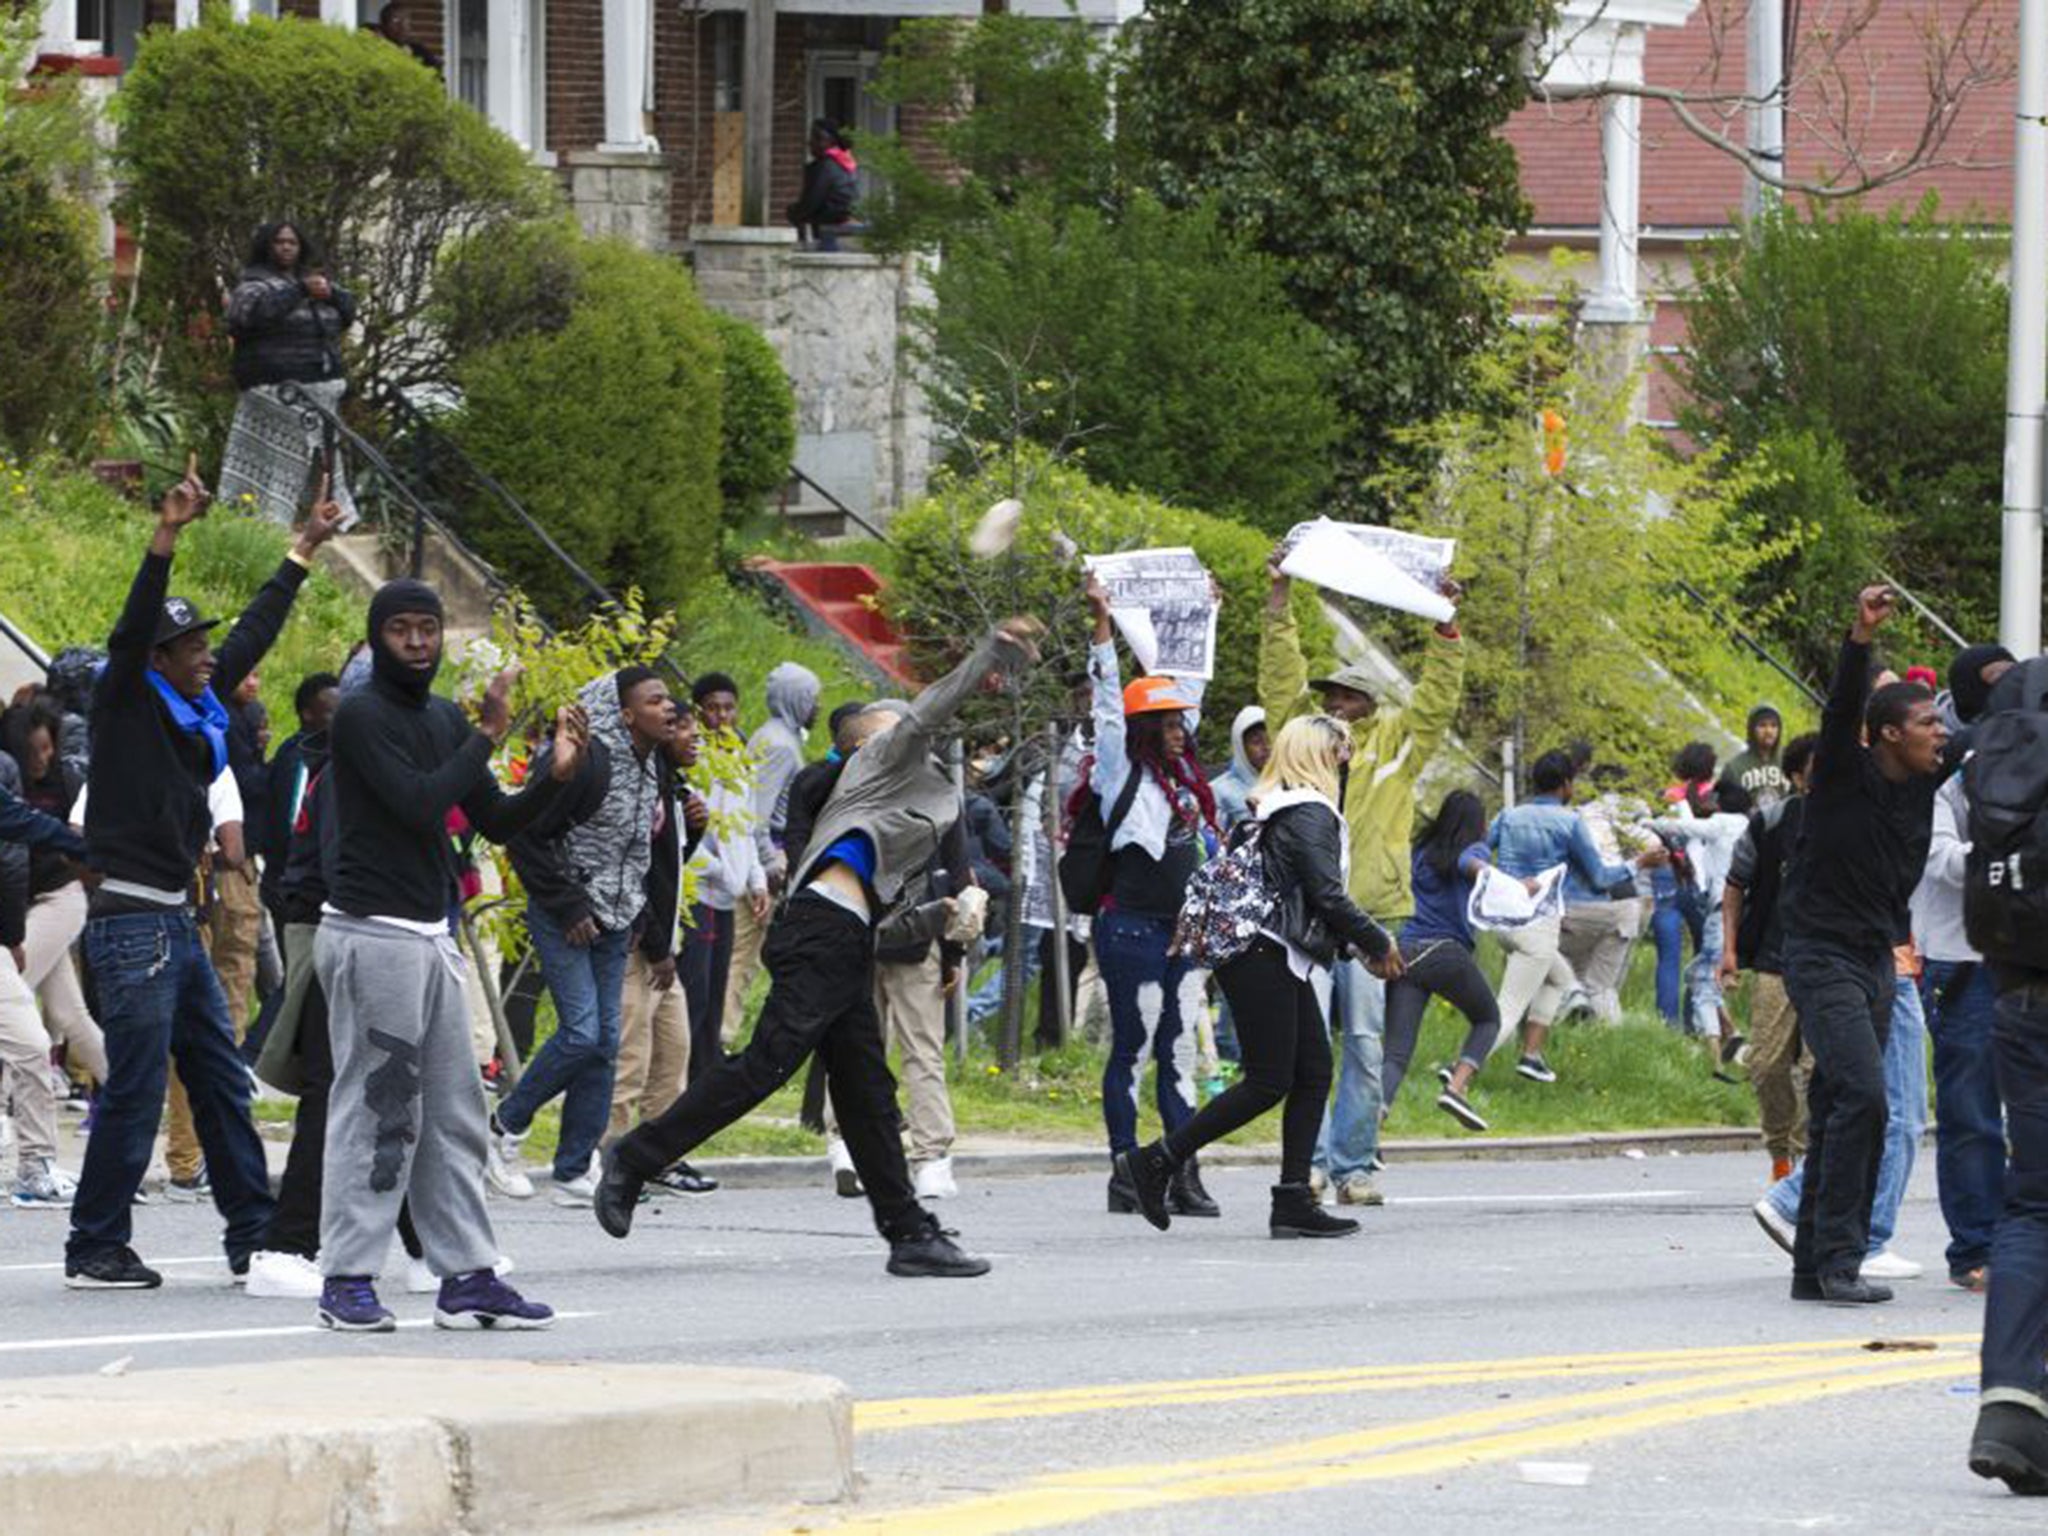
x=935 y=1180
x=845 y=1179
x=1776 y=1227
x=502 y=1168
x=1319 y=1185
x=573 y=1192
x=284 y=1276
x=1886 y=1265
x=420 y=1279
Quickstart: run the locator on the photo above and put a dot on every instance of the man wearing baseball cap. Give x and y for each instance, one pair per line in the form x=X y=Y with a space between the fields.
x=1389 y=750
x=159 y=726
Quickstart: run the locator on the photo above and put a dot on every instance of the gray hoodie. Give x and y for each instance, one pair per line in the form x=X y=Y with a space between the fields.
x=1237 y=781
x=778 y=747
x=612 y=849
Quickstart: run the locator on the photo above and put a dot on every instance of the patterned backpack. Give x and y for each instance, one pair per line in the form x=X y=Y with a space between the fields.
x=1228 y=901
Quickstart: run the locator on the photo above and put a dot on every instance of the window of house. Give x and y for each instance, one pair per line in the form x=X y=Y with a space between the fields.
x=728 y=61
x=472 y=52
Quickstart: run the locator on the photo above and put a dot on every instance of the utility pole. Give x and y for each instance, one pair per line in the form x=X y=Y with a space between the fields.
x=1766 y=88
x=2026 y=378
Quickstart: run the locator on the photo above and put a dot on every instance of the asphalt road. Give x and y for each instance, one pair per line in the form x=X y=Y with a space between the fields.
x=1571 y=1346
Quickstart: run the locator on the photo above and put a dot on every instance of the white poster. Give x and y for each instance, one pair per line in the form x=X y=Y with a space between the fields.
x=1379 y=565
x=1502 y=901
x=1159 y=600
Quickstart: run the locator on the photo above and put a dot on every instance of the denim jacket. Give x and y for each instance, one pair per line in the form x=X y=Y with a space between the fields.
x=1543 y=833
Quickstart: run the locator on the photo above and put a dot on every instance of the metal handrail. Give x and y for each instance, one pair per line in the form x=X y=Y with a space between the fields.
x=835 y=503
x=1750 y=643
x=1922 y=609
x=23 y=643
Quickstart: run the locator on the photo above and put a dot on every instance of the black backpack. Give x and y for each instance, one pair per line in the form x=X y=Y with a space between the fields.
x=2005 y=880
x=1086 y=868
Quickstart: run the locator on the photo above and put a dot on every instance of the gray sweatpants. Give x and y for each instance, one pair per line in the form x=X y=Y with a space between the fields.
x=407 y=1116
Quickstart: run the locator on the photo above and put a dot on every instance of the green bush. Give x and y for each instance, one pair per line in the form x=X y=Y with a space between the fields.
x=1883 y=334
x=229 y=124
x=757 y=418
x=48 y=314
x=605 y=427
x=1157 y=341
x=939 y=594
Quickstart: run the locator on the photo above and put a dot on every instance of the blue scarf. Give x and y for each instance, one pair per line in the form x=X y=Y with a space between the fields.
x=204 y=716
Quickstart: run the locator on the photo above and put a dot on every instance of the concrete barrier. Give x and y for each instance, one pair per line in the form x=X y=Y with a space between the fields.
x=413 y=1445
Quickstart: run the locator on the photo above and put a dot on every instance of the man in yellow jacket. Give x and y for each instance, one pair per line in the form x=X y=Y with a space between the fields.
x=1389 y=750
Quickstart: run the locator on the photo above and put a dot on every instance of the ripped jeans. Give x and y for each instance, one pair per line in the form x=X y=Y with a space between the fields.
x=1154 y=999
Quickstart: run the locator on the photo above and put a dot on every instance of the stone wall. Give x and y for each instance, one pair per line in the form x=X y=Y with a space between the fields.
x=864 y=427
x=620 y=194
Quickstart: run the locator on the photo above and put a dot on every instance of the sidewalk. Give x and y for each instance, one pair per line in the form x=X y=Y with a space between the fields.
x=411 y=1445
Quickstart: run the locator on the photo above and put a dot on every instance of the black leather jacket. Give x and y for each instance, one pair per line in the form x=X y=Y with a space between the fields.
x=1302 y=845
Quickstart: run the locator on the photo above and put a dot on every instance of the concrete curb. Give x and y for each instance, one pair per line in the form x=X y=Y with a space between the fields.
x=413 y=1445
x=787 y=1172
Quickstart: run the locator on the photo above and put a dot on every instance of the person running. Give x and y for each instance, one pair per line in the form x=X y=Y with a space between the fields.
x=406 y=1119
x=1709 y=838
x=1390 y=748
x=1753 y=939
x=1274 y=985
x=1529 y=840
x=1862 y=848
x=159 y=734
x=1437 y=956
x=1144 y=762
x=1759 y=767
x=585 y=868
x=852 y=889
x=727 y=866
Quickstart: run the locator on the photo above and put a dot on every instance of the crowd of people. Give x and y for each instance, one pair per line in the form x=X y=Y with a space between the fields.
x=185 y=914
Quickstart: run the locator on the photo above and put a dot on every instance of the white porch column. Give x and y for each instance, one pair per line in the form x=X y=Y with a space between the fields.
x=507 y=89
x=59 y=30
x=339 y=13
x=1621 y=160
x=625 y=77
x=185 y=14
x=238 y=10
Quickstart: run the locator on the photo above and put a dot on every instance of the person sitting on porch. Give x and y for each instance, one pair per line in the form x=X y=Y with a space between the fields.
x=823 y=213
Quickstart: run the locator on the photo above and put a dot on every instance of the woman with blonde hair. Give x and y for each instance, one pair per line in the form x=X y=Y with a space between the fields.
x=1278 y=987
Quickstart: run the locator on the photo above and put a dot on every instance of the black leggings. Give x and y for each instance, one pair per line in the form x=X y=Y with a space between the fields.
x=1440 y=968
x=1286 y=1041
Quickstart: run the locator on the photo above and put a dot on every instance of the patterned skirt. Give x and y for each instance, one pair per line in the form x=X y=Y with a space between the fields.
x=275 y=452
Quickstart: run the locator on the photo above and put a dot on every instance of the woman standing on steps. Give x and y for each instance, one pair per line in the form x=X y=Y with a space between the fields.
x=1279 y=986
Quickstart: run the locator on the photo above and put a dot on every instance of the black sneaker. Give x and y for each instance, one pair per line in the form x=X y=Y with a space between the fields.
x=681 y=1179
x=111 y=1269
x=933 y=1255
x=2011 y=1444
x=1536 y=1069
x=1459 y=1108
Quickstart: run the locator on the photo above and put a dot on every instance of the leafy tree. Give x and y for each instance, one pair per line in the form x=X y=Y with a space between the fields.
x=1577 y=570
x=1007 y=104
x=1881 y=337
x=1157 y=340
x=48 y=311
x=228 y=124
x=1358 y=141
x=605 y=425
x=757 y=418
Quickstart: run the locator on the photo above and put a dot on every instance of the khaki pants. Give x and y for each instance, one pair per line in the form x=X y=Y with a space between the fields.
x=55 y=921
x=1778 y=1068
x=233 y=926
x=1594 y=940
x=25 y=1052
x=909 y=998
x=747 y=939
x=1536 y=979
x=654 y=1049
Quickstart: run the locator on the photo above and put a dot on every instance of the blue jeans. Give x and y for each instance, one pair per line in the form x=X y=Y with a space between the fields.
x=1351 y=1130
x=1146 y=989
x=2016 y=1311
x=986 y=1000
x=159 y=1000
x=588 y=985
x=1969 y=1125
x=1905 y=1094
x=1667 y=932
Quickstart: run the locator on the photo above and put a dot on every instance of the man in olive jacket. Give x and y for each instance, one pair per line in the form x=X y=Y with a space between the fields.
x=1389 y=750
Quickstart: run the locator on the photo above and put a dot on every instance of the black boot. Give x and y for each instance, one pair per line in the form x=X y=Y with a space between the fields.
x=1852 y=1291
x=1185 y=1195
x=1149 y=1172
x=618 y=1192
x=1296 y=1213
x=2011 y=1444
x=1123 y=1199
x=929 y=1252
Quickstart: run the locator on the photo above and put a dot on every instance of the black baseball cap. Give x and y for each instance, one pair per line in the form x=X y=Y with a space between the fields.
x=181 y=616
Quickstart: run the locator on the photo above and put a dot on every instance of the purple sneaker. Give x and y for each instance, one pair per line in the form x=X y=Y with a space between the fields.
x=348 y=1304
x=481 y=1300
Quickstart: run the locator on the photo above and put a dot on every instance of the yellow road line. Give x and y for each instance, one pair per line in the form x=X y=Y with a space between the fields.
x=1406 y=1450
x=930 y=1412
